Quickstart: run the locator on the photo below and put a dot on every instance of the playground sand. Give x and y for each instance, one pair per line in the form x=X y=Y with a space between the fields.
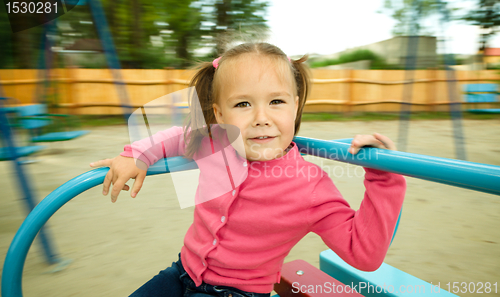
x=446 y=235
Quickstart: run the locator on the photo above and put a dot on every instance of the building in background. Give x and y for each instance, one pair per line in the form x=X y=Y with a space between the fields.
x=395 y=51
x=491 y=57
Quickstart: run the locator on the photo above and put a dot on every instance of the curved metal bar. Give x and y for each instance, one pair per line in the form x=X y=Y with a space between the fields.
x=475 y=176
x=463 y=174
x=18 y=250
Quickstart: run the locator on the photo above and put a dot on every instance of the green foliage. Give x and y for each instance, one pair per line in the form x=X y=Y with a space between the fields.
x=132 y=23
x=19 y=50
x=179 y=29
x=246 y=17
x=6 y=54
x=184 y=21
x=460 y=61
x=410 y=15
x=487 y=17
x=377 y=62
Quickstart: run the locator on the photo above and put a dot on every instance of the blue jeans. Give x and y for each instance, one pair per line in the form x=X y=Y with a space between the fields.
x=175 y=282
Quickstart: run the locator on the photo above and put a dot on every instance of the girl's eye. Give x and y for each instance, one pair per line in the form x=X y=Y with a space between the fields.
x=242 y=104
x=277 y=101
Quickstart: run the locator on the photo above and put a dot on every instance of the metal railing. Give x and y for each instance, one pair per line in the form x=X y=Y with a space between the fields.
x=469 y=175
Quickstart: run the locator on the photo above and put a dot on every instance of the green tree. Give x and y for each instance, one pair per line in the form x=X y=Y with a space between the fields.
x=410 y=15
x=6 y=50
x=18 y=50
x=146 y=33
x=243 y=17
x=132 y=23
x=376 y=62
x=184 y=20
x=487 y=17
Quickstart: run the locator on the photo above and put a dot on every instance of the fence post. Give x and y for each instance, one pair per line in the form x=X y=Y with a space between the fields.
x=72 y=104
x=349 y=90
x=431 y=89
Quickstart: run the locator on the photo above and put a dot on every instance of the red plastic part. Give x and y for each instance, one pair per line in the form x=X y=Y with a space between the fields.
x=299 y=278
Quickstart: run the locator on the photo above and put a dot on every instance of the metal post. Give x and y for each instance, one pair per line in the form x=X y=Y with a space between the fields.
x=111 y=55
x=48 y=249
x=411 y=62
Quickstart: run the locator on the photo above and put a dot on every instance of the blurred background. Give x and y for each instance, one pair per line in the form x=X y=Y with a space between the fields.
x=159 y=34
x=361 y=54
x=69 y=85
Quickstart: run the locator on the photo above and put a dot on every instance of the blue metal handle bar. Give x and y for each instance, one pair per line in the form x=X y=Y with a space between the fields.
x=463 y=174
x=18 y=250
x=476 y=176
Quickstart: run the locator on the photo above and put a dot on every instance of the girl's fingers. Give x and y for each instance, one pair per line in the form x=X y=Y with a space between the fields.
x=119 y=173
x=118 y=185
x=107 y=183
x=139 y=180
x=101 y=163
x=353 y=150
x=355 y=144
x=360 y=141
x=386 y=141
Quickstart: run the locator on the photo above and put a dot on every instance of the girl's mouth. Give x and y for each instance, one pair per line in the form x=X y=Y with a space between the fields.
x=262 y=139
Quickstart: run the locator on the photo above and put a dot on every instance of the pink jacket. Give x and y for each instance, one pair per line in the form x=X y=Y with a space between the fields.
x=241 y=238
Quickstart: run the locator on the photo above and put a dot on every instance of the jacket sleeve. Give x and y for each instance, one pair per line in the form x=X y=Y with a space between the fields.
x=164 y=144
x=361 y=238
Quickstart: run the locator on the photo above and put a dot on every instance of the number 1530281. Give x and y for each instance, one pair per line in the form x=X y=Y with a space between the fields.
x=472 y=287
x=31 y=7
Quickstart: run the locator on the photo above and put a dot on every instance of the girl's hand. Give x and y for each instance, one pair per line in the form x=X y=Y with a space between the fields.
x=121 y=169
x=375 y=140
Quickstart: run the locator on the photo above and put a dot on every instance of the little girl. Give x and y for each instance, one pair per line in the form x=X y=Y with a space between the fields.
x=238 y=241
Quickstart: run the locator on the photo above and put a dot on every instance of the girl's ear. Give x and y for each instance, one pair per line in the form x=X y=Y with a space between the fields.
x=218 y=114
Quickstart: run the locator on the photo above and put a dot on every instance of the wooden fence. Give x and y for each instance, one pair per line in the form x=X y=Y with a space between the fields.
x=92 y=91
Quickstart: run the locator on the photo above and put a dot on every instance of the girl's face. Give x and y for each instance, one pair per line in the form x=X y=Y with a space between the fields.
x=259 y=101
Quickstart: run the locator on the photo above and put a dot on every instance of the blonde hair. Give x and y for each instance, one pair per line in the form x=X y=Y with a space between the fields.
x=207 y=85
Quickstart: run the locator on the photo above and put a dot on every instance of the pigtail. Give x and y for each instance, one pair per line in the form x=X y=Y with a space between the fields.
x=198 y=124
x=302 y=79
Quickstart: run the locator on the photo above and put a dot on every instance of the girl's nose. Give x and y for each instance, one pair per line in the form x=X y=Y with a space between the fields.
x=261 y=118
